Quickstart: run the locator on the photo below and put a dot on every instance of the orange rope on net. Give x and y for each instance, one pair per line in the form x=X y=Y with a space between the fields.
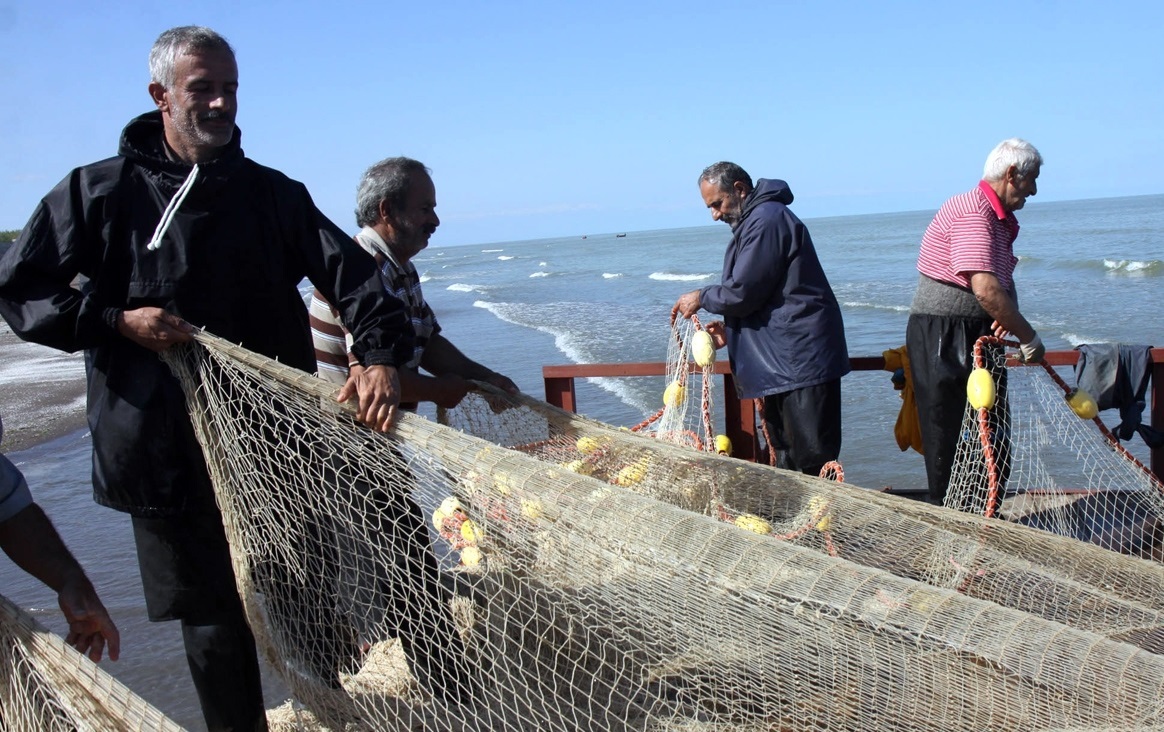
x=833 y=470
x=1111 y=438
x=984 y=429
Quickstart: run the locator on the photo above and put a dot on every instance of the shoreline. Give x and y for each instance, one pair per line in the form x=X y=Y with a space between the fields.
x=42 y=392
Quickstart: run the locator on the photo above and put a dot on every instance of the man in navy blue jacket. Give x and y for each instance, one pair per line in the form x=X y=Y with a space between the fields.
x=782 y=324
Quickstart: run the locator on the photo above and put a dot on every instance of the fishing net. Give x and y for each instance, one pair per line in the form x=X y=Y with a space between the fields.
x=1029 y=456
x=528 y=569
x=47 y=686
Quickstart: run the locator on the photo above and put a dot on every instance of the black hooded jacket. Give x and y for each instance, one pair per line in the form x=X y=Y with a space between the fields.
x=784 y=326
x=231 y=260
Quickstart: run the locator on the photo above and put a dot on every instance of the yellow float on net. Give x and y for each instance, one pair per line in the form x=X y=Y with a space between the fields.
x=470 y=556
x=674 y=394
x=579 y=466
x=980 y=389
x=470 y=532
x=501 y=484
x=817 y=505
x=753 y=523
x=632 y=474
x=1082 y=404
x=723 y=445
x=447 y=508
x=587 y=445
x=531 y=509
x=702 y=349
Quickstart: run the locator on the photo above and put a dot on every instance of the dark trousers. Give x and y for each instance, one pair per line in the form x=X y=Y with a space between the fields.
x=369 y=575
x=804 y=425
x=187 y=575
x=941 y=357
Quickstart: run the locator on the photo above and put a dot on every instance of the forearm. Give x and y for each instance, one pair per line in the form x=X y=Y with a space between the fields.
x=442 y=358
x=33 y=544
x=999 y=305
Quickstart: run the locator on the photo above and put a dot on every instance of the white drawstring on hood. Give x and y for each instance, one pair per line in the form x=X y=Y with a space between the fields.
x=171 y=209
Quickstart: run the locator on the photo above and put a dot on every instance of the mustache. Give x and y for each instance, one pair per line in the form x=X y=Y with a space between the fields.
x=216 y=114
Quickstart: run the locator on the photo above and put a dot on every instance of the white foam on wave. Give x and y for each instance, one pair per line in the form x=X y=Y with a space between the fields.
x=491 y=251
x=1131 y=266
x=541 y=264
x=425 y=278
x=505 y=257
x=672 y=277
x=875 y=306
x=611 y=275
x=1077 y=340
x=541 y=274
x=459 y=287
x=570 y=344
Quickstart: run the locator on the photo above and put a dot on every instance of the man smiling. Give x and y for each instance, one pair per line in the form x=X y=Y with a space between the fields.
x=182 y=228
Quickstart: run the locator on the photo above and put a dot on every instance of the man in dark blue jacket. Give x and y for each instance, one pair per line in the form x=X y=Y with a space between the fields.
x=782 y=324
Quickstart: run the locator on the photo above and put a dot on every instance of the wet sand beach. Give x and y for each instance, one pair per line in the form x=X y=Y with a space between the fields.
x=42 y=392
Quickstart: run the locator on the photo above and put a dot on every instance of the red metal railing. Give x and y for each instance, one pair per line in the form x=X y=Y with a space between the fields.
x=739 y=414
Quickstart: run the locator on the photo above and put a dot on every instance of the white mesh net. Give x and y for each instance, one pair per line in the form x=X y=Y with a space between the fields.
x=1032 y=459
x=565 y=575
x=46 y=686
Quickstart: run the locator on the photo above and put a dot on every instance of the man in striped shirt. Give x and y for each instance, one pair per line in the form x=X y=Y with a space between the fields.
x=965 y=291
x=396 y=208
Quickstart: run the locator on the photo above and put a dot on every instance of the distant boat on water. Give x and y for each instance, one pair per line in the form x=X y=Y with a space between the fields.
x=620 y=235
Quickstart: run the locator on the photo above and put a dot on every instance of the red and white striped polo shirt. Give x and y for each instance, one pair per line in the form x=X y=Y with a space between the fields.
x=970 y=233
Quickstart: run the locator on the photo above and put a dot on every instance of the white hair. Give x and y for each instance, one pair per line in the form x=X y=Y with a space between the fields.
x=175 y=42
x=1019 y=153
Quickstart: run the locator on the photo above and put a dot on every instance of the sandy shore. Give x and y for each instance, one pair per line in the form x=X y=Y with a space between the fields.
x=42 y=392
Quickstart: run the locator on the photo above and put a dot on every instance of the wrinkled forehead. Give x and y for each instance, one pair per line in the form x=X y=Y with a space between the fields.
x=211 y=62
x=711 y=192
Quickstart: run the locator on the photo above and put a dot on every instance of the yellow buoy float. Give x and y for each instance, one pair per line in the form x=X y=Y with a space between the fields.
x=980 y=389
x=702 y=349
x=723 y=445
x=580 y=467
x=1082 y=404
x=470 y=532
x=674 y=394
x=753 y=523
x=448 y=507
x=632 y=474
x=471 y=556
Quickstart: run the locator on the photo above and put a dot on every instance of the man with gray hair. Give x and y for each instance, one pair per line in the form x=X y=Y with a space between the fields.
x=179 y=230
x=965 y=291
x=782 y=324
x=396 y=208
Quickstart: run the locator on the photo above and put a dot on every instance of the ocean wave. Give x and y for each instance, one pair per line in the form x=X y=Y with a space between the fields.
x=611 y=275
x=425 y=278
x=491 y=251
x=459 y=287
x=505 y=257
x=541 y=274
x=672 y=277
x=875 y=306
x=1133 y=267
x=1077 y=340
x=570 y=343
x=541 y=264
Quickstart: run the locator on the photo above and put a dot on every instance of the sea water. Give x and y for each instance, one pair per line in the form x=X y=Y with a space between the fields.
x=1089 y=271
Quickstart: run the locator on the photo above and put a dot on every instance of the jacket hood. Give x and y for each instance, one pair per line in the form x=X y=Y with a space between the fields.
x=767 y=189
x=142 y=141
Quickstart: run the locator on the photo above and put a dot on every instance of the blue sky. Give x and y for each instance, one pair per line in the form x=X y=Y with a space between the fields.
x=543 y=119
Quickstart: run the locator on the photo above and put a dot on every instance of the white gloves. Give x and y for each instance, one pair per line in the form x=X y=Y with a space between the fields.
x=1033 y=351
